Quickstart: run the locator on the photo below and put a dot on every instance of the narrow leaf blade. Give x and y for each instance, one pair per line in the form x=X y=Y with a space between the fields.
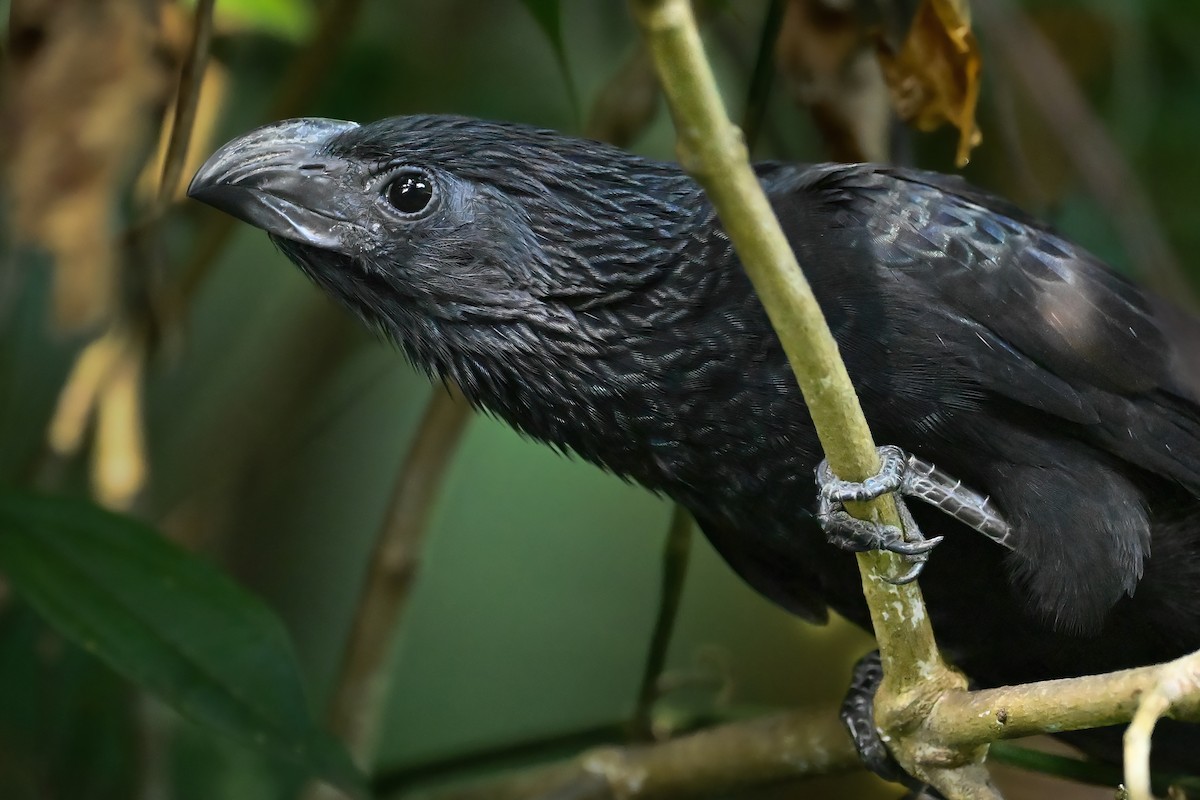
x=548 y=15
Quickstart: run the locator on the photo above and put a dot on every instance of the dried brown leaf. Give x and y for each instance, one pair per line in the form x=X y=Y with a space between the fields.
x=826 y=58
x=935 y=78
x=86 y=80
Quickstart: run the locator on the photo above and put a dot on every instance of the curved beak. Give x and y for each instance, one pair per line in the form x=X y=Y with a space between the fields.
x=279 y=178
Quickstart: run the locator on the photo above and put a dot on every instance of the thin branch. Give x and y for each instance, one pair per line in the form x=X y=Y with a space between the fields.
x=728 y=758
x=304 y=73
x=762 y=78
x=187 y=100
x=1000 y=96
x=400 y=781
x=741 y=756
x=1092 y=151
x=1090 y=701
x=1176 y=690
x=359 y=698
x=107 y=378
x=1137 y=744
x=522 y=785
x=676 y=553
x=711 y=149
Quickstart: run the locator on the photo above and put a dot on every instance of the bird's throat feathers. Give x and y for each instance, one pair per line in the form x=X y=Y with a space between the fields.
x=562 y=321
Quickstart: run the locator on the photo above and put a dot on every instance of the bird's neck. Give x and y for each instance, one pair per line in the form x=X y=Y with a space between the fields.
x=663 y=387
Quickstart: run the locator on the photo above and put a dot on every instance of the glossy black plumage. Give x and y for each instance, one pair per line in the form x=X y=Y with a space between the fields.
x=590 y=298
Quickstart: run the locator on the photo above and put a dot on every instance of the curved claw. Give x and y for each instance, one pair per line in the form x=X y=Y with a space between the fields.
x=914 y=548
x=918 y=552
x=913 y=573
x=850 y=533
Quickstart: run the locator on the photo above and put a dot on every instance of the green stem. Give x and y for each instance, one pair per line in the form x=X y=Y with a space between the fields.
x=676 y=553
x=762 y=78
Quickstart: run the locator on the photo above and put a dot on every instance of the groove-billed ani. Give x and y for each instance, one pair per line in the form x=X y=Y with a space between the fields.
x=590 y=298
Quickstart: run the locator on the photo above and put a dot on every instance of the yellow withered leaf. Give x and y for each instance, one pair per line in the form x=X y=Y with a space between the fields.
x=935 y=78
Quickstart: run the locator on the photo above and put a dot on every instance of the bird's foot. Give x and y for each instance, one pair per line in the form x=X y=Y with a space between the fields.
x=858 y=535
x=943 y=491
x=912 y=477
x=858 y=715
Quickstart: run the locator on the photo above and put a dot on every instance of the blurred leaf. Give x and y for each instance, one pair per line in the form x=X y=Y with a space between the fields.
x=67 y=723
x=82 y=86
x=169 y=622
x=935 y=78
x=548 y=15
x=627 y=103
x=204 y=767
x=762 y=76
x=293 y=20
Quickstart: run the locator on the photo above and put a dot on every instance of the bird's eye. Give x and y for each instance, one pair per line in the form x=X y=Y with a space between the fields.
x=410 y=192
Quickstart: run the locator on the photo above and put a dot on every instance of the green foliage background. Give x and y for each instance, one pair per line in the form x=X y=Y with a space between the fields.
x=276 y=426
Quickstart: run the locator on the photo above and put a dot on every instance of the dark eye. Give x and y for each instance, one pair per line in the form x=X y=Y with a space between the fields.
x=410 y=192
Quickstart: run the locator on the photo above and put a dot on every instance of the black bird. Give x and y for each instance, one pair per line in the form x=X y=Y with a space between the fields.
x=591 y=298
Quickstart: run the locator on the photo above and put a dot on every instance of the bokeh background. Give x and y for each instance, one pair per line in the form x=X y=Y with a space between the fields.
x=259 y=426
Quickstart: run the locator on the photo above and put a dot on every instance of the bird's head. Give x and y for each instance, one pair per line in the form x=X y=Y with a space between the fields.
x=463 y=240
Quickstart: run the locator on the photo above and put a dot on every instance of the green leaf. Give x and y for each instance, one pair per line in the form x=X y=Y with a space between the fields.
x=293 y=20
x=548 y=15
x=67 y=726
x=170 y=623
